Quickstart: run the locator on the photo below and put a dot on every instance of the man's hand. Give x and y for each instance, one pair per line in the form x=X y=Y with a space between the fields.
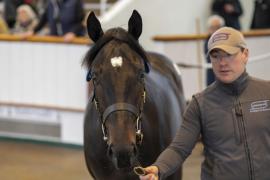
x=68 y=37
x=229 y=8
x=151 y=173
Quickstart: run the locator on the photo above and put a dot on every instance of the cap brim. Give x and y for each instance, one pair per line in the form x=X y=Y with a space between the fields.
x=228 y=49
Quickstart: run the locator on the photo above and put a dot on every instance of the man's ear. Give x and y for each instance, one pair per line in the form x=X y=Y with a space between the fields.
x=246 y=55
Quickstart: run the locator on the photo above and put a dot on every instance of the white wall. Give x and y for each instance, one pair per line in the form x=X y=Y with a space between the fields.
x=169 y=17
x=43 y=73
x=47 y=74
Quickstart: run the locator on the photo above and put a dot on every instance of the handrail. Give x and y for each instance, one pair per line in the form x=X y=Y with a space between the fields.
x=253 y=59
x=45 y=39
x=40 y=106
x=184 y=37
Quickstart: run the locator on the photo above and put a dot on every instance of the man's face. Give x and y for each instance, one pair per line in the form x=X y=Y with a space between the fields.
x=23 y=16
x=226 y=67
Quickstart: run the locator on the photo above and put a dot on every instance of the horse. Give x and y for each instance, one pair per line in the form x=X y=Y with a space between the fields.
x=136 y=105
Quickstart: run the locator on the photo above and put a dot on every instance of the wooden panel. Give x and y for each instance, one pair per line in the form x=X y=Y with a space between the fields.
x=98 y=1
x=45 y=39
x=43 y=74
x=184 y=37
x=30 y=129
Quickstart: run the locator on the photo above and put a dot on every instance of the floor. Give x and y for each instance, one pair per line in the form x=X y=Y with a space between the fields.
x=31 y=161
x=192 y=165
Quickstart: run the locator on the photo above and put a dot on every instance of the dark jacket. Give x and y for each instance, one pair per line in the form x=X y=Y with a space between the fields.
x=234 y=121
x=69 y=18
x=231 y=19
x=261 y=16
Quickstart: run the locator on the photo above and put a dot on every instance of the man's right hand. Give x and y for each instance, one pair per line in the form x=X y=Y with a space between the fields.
x=152 y=173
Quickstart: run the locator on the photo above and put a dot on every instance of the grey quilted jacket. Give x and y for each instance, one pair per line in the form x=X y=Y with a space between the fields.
x=234 y=122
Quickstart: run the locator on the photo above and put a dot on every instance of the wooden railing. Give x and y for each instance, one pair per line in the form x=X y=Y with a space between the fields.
x=251 y=33
x=56 y=57
x=46 y=39
x=41 y=106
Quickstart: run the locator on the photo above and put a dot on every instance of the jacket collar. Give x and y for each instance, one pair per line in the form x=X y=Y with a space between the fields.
x=237 y=86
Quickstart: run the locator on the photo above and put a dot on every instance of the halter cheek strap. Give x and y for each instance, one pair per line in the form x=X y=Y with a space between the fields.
x=120 y=107
x=123 y=107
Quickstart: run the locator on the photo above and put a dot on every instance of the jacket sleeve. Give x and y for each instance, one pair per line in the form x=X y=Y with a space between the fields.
x=183 y=143
x=217 y=6
x=238 y=11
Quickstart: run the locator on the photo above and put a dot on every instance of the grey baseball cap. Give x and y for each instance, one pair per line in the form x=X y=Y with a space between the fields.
x=227 y=39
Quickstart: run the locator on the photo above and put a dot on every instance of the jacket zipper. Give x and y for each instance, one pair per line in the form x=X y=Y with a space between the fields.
x=239 y=113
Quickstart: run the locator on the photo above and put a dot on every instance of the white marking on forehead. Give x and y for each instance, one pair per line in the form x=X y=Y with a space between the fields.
x=117 y=61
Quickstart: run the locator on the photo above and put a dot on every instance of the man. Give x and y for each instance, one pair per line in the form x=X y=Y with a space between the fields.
x=261 y=15
x=10 y=7
x=230 y=10
x=214 y=22
x=3 y=26
x=64 y=18
x=232 y=115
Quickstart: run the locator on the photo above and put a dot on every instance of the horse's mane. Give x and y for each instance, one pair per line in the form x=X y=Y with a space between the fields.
x=118 y=34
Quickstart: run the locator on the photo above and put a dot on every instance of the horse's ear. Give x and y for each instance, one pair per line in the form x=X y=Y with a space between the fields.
x=135 y=25
x=94 y=27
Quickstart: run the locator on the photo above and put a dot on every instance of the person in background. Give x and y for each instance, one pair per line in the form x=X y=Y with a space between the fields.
x=261 y=15
x=64 y=18
x=26 y=19
x=3 y=26
x=232 y=116
x=230 y=10
x=214 y=22
x=10 y=10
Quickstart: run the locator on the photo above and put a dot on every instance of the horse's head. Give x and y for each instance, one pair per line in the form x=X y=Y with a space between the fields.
x=116 y=65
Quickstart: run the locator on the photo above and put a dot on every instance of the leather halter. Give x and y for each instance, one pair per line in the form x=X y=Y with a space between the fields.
x=121 y=107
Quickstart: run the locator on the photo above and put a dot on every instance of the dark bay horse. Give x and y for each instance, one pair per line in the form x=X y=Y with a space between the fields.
x=137 y=102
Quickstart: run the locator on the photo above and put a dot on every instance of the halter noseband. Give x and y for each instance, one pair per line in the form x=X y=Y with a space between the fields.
x=121 y=107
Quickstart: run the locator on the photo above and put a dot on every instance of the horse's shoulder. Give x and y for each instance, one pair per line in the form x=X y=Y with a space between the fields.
x=159 y=61
x=168 y=69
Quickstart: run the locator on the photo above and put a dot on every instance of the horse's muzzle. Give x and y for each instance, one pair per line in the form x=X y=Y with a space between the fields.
x=123 y=157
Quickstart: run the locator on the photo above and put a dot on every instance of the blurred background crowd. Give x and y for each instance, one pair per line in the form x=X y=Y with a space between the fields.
x=46 y=17
x=65 y=17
